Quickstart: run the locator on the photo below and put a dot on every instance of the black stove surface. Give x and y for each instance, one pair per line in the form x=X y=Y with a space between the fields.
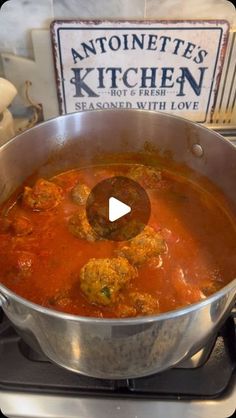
x=23 y=370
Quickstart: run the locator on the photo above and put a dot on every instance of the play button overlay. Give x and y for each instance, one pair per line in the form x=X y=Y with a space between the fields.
x=118 y=208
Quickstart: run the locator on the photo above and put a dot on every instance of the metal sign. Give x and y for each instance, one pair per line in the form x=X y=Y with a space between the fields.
x=171 y=66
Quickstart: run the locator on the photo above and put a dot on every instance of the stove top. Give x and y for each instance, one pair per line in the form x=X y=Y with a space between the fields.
x=31 y=386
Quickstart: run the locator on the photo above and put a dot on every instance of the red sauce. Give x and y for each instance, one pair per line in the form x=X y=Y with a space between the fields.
x=200 y=240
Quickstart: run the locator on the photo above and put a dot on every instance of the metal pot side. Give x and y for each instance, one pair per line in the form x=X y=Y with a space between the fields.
x=117 y=348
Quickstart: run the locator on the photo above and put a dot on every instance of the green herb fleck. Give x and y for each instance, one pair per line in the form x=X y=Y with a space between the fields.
x=106 y=292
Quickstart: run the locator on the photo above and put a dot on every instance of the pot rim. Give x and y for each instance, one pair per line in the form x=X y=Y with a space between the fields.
x=5 y=292
x=122 y=111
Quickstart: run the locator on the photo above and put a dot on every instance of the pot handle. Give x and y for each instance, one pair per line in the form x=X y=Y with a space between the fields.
x=3 y=300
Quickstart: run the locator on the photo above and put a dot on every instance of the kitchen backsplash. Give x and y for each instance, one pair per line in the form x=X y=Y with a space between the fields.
x=25 y=15
x=25 y=45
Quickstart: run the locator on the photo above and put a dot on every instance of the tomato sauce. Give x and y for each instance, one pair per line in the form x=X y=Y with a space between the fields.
x=199 y=234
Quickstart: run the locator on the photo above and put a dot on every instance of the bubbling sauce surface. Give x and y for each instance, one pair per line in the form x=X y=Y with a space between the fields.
x=42 y=257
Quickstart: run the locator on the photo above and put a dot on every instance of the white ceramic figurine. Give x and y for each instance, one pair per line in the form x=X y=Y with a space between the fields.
x=7 y=94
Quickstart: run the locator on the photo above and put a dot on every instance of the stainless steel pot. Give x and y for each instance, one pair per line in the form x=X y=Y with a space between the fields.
x=120 y=348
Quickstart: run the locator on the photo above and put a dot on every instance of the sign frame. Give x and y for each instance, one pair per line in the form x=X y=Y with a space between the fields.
x=58 y=26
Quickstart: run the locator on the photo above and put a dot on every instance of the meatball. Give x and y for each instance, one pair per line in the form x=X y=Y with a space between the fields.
x=143 y=247
x=61 y=299
x=125 y=311
x=102 y=280
x=143 y=303
x=21 y=226
x=20 y=265
x=138 y=304
x=5 y=225
x=80 y=193
x=147 y=176
x=44 y=195
x=25 y=262
x=79 y=227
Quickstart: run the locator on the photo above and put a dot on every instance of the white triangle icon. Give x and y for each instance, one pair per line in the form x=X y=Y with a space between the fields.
x=117 y=209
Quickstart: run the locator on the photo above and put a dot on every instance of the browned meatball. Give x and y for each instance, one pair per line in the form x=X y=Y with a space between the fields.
x=5 y=225
x=61 y=299
x=25 y=262
x=143 y=247
x=147 y=176
x=143 y=303
x=124 y=310
x=102 y=280
x=20 y=265
x=44 y=195
x=138 y=304
x=79 y=227
x=21 y=226
x=80 y=193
